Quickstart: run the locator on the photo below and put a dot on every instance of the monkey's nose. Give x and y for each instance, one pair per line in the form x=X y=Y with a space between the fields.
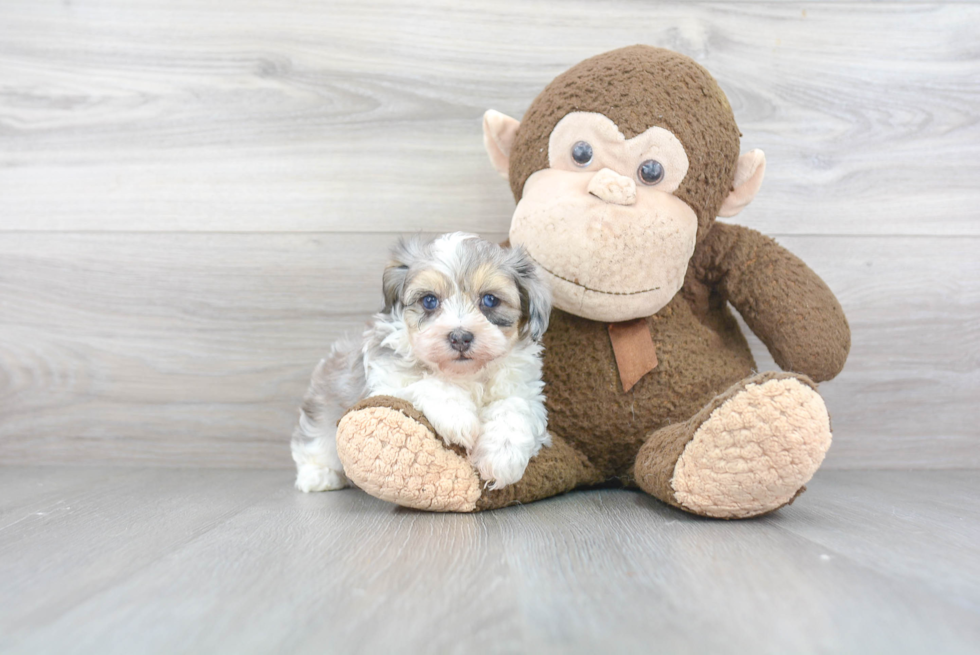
x=460 y=340
x=610 y=186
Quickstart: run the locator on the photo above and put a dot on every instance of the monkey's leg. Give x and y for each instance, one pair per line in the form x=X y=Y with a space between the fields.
x=390 y=450
x=749 y=451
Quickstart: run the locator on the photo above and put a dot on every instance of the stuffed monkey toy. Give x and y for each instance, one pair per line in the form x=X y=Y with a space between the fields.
x=619 y=169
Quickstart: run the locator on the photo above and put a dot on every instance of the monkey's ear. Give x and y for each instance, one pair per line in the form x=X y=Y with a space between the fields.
x=748 y=178
x=499 y=132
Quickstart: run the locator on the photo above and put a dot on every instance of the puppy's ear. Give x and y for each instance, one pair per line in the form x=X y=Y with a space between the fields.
x=535 y=294
x=403 y=255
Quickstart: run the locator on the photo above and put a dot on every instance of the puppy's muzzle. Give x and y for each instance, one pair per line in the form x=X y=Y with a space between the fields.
x=460 y=340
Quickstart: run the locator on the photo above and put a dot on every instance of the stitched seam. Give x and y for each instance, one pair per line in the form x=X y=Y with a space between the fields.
x=608 y=293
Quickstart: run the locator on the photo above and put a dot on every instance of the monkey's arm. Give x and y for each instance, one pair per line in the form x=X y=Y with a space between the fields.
x=784 y=302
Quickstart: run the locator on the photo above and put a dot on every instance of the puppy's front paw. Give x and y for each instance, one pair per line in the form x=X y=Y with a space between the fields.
x=455 y=425
x=502 y=453
x=310 y=477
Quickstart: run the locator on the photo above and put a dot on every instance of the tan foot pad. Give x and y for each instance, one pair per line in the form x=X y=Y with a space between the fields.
x=755 y=451
x=396 y=458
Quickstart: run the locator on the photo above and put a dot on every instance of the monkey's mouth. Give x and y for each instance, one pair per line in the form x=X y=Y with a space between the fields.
x=608 y=293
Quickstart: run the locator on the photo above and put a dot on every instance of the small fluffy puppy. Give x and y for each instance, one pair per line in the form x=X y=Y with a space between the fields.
x=459 y=338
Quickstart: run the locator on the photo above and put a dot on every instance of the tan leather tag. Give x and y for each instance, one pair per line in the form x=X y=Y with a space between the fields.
x=635 y=353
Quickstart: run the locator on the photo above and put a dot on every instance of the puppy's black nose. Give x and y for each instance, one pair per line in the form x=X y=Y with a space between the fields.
x=460 y=340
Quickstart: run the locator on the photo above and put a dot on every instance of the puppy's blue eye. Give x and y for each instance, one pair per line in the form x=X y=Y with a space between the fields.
x=430 y=302
x=490 y=301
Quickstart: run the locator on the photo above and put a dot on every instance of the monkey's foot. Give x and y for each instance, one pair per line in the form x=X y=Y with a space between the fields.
x=390 y=451
x=749 y=452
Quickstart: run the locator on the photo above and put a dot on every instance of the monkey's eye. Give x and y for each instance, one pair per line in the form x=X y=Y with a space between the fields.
x=430 y=302
x=650 y=172
x=582 y=153
x=490 y=301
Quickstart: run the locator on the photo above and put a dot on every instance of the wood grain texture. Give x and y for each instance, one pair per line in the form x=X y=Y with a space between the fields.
x=354 y=116
x=195 y=349
x=196 y=198
x=157 y=561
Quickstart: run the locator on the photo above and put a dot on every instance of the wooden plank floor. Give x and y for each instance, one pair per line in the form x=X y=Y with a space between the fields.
x=106 y=560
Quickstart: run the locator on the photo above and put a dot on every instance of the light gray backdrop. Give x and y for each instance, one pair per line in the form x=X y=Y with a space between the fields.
x=195 y=200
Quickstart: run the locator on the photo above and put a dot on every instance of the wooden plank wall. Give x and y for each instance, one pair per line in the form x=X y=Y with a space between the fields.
x=196 y=197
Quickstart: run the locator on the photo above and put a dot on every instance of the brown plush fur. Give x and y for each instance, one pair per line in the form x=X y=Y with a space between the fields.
x=785 y=303
x=585 y=398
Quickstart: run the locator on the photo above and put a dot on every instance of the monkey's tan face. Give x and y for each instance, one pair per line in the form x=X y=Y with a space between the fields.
x=603 y=222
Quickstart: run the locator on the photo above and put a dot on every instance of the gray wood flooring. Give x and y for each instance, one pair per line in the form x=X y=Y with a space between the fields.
x=114 y=560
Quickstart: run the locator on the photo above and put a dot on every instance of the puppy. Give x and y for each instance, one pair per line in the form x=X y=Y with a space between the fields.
x=459 y=338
